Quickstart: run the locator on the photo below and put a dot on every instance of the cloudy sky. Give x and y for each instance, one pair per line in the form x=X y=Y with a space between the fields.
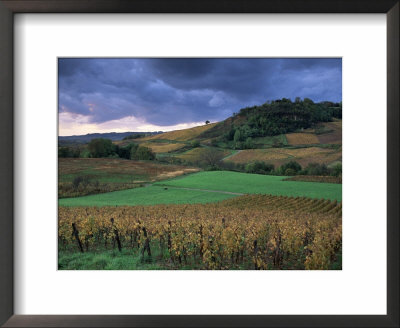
x=106 y=95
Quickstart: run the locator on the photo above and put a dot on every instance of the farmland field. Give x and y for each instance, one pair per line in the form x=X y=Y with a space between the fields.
x=196 y=153
x=115 y=169
x=163 y=147
x=333 y=137
x=301 y=138
x=279 y=156
x=105 y=174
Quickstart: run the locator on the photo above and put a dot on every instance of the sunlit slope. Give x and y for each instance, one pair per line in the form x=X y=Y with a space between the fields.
x=163 y=147
x=279 y=156
x=182 y=135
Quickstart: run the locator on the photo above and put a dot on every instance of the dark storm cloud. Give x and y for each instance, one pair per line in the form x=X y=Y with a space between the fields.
x=172 y=91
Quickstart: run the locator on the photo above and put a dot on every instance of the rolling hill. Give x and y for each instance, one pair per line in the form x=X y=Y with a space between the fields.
x=275 y=132
x=305 y=132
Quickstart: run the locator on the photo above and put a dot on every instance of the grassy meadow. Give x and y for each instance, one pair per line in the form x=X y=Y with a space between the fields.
x=205 y=187
x=255 y=184
x=151 y=195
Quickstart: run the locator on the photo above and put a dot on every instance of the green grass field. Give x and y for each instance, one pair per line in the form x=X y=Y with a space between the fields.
x=269 y=141
x=131 y=259
x=128 y=259
x=255 y=183
x=145 y=196
x=223 y=181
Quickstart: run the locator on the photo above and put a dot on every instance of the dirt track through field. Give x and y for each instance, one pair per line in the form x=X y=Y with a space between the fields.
x=235 y=153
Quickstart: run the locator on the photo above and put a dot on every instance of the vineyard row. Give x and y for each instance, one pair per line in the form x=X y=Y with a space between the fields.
x=247 y=232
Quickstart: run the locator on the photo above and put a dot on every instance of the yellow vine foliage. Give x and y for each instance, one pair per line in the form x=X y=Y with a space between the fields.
x=247 y=232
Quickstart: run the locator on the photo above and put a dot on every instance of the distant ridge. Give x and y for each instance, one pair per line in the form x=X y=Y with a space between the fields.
x=114 y=136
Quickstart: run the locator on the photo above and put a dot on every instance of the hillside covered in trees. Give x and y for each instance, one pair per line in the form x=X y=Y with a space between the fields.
x=271 y=119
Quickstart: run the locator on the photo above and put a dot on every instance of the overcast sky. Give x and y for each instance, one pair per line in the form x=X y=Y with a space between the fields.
x=106 y=95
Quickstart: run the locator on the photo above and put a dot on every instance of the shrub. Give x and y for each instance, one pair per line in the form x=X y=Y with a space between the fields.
x=259 y=167
x=80 y=180
x=85 y=180
x=296 y=167
x=249 y=144
x=290 y=171
x=101 y=147
x=63 y=152
x=276 y=143
x=212 y=168
x=142 y=153
x=214 y=142
x=77 y=181
x=69 y=152
x=125 y=152
x=195 y=143
x=85 y=154
x=337 y=170
x=229 y=166
x=316 y=169
x=210 y=157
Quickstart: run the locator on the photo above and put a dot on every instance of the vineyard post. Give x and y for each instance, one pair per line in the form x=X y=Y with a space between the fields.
x=255 y=254
x=75 y=232
x=221 y=252
x=146 y=246
x=137 y=234
x=201 y=242
x=184 y=253
x=278 y=253
x=113 y=237
x=242 y=246
x=210 y=246
x=116 y=235
x=169 y=241
x=161 y=246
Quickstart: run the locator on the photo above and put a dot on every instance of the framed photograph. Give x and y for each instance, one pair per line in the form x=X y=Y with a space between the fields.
x=190 y=184
x=217 y=164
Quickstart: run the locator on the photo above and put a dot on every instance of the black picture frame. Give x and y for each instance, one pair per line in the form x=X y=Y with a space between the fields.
x=10 y=7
